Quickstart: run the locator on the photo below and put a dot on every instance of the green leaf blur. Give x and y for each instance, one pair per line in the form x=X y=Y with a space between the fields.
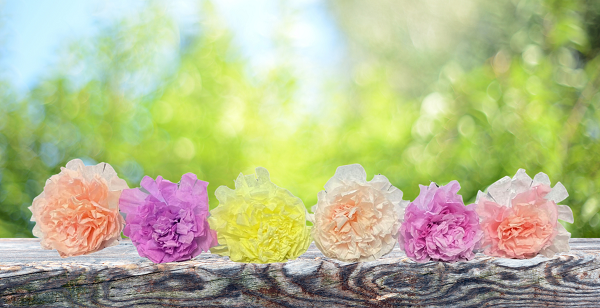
x=467 y=90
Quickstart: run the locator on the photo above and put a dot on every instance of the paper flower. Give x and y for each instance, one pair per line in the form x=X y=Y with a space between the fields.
x=78 y=211
x=438 y=226
x=259 y=222
x=519 y=217
x=355 y=220
x=166 y=222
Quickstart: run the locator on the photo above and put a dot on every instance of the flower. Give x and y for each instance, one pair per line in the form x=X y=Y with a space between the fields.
x=258 y=222
x=166 y=222
x=438 y=226
x=519 y=217
x=78 y=211
x=355 y=220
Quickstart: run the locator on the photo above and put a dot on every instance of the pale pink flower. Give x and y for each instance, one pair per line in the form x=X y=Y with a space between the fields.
x=78 y=211
x=519 y=217
x=355 y=220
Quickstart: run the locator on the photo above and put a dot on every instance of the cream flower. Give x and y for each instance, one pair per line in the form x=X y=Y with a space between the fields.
x=78 y=211
x=355 y=220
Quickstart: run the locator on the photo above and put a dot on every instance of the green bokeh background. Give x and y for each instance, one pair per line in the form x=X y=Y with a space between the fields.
x=467 y=90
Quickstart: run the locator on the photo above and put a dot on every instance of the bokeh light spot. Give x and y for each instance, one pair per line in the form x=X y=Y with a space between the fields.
x=184 y=148
x=50 y=154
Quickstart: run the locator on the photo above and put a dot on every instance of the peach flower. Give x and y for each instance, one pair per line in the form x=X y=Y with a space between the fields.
x=355 y=220
x=78 y=211
x=519 y=217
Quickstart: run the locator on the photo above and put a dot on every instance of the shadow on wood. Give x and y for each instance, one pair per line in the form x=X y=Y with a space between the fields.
x=117 y=276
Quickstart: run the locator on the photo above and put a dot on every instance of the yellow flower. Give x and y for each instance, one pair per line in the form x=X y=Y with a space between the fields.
x=259 y=222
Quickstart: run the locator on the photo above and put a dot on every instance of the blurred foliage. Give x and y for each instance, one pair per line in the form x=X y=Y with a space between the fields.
x=483 y=88
x=469 y=90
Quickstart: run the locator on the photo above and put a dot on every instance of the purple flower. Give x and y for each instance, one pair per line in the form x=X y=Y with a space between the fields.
x=438 y=226
x=167 y=222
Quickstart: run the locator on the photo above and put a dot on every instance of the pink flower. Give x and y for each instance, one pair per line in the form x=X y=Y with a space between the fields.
x=438 y=226
x=166 y=221
x=78 y=211
x=519 y=217
x=356 y=220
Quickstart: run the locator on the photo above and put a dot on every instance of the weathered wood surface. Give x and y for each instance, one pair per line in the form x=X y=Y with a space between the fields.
x=117 y=276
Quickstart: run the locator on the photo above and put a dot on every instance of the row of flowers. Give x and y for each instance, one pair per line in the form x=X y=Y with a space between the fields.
x=79 y=212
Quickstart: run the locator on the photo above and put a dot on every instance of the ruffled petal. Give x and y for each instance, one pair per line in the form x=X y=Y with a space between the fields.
x=521 y=182
x=541 y=178
x=558 y=193
x=565 y=213
x=348 y=173
x=559 y=244
x=500 y=191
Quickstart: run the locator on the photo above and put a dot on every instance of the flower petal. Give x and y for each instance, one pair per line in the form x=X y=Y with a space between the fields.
x=558 y=193
x=521 y=182
x=348 y=173
x=541 y=178
x=500 y=191
x=565 y=213
x=559 y=244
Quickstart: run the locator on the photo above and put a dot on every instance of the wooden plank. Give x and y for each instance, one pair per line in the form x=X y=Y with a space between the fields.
x=117 y=277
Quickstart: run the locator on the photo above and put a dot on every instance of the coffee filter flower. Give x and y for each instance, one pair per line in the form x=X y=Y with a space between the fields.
x=438 y=226
x=259 y=222
x=78 y=211
x=519 y=217
x=354 y=219
x=166 y=221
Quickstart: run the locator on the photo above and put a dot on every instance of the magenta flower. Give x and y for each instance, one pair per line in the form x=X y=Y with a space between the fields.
x=438 y=226
x=167 y=222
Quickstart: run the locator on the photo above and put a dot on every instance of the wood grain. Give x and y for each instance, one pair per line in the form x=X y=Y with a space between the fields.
x=118 y=277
